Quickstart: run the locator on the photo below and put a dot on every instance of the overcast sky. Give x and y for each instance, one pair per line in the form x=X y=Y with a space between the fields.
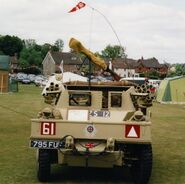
x=148 y=28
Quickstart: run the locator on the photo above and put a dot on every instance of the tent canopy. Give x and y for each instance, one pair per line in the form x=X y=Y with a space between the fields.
x=172 y=90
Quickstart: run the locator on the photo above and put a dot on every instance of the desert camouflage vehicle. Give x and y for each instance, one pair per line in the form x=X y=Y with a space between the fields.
x=94 y=124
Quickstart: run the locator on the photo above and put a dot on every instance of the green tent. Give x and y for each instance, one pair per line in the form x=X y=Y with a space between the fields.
x=172 y=90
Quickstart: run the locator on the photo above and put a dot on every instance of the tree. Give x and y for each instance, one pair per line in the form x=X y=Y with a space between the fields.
x=59 y=44
x=30 y=57
x=180 y=69
x=38 y=48
x=151 y=75
x=34 y=58
x=45 y=48
x=28 y=51
x=113 y=52
x=23 y=63
x=10 y=45
x=28 y=43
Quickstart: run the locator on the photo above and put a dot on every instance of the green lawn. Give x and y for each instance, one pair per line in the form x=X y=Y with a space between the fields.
x=17 y=160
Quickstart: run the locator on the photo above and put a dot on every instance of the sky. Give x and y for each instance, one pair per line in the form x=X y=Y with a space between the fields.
x=146 y=28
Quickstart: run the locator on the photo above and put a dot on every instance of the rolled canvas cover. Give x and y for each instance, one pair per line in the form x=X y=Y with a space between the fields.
x=78 y=47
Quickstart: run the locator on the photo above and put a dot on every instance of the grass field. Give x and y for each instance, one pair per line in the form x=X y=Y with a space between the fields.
x=17 y=160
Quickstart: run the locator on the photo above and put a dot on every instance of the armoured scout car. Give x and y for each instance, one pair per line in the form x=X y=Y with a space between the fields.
x=94 y=124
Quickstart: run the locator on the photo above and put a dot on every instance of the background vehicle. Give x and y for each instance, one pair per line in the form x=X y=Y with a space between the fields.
x=40 y=80
x=21 y=76
x=31 y=77
x=137 y=80
x=25 y=81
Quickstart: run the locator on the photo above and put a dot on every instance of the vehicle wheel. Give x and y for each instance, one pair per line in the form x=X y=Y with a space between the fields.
x=44 y=165
x=141 y=168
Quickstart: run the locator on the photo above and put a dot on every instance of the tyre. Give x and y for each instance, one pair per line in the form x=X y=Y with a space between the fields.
x=141 y=168
x=44 y=165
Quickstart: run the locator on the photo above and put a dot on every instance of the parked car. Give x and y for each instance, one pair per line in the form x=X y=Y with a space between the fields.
x=40 y=80
x=26 y=81
x=21 y=77
x=31 y=77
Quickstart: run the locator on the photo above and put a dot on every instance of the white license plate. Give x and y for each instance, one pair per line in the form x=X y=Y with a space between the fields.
x=46 y=144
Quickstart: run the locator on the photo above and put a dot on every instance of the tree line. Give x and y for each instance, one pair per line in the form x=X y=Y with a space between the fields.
x=30 y=53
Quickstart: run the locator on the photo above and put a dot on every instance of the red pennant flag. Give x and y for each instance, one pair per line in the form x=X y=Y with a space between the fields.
x=77 y=7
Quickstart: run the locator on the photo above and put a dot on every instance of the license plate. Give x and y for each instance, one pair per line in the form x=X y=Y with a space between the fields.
x=46 y=144
x=104 y=114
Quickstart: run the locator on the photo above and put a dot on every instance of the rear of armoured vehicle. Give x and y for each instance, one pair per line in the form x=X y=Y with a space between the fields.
x=102 y=125
x=89 y=124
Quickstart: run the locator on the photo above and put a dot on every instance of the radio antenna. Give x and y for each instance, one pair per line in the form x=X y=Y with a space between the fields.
x=114 y=31
x=109 y=23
